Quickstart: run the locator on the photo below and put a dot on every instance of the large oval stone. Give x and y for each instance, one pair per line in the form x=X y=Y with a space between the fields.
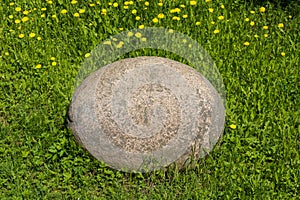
x=144 y=113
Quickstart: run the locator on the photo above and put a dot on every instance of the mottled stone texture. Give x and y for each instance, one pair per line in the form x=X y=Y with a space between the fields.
x=144 y=113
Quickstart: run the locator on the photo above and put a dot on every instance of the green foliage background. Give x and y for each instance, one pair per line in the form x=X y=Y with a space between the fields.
x=41 y=55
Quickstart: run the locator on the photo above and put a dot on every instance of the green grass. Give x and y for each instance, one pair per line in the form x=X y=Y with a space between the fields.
x=257 y=160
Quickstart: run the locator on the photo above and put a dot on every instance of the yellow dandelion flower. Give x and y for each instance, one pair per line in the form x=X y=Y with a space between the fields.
x=222 y=6
x=38 y=66
x=50 y=2
x=265 y=27
x=138 y=35
x=25 y=19
x=25 y=12
x=12 y=3
x=290 y=16
x=160 y=4
x=52 y=58
x=212 y=22
x=246 y=43
x=184 y=16
x=18 y=9
x=74 y=2
x=125 y=7
x=76 y=15
x=103 y=11
x=252 y=11
x=256 y=36
x=129 y=34
x=155 y=20
x=81 y=11
x=87 y=55
x=126 y=3
x=54 y=63
x=207 y=1
x=252 y=23
x=144 y=39
x=115 y=4
x=216 y=31
x=43 y=9
x=134 y=11
x=266 y=35
x=63 y=11
x=232 y=126
x=108 y=42
x=280 y=25
x=17 y=21
x=6 y=53
x=137 y=18
x=32 y=35
x=198 y=23
x=146 y=3
x=130 y=2
x=10 y=16
x=221 y=17
x=182 y=6
x=262 y=9
x=21 y=35
x=176 y=18
x=120 y=45
x=247 y=19
x=282 y=54
x=141 y=26
x=39 y=38
x=121 y=29
x=211 y=10
x=43 y=15
x=192 y=3
x=110 y=3
x=91 y=4
x=54 y=16
x=175 y=10
x=160 y=15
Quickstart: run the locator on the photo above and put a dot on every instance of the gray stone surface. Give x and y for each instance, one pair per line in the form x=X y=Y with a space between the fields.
x=144 y=113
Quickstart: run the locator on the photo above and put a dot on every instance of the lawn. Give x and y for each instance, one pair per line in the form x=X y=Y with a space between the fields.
x=255 y=47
